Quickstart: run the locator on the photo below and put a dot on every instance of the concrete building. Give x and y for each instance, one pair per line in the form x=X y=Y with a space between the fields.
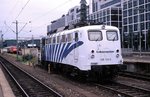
x=106 y=11
x=132 y=17
x=136 y=24
x=73 y=15
x=71 y=18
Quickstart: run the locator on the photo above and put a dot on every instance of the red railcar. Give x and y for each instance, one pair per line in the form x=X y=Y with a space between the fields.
x=12 y=49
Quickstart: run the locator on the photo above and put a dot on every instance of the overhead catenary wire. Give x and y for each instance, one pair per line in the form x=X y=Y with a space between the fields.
x=39 y=17
x=45 y=14
x=17 y=15
x=10 y=12
x=48 y=12
x=22 y=9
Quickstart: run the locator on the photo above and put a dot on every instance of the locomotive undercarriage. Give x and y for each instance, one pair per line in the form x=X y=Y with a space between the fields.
x=104 y=72
x=97 y=73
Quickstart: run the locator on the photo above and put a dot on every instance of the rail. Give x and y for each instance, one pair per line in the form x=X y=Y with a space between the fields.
x=29 y=85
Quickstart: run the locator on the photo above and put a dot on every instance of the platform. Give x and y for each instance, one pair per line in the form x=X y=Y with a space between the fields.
x=5 y=89
x=136 y=59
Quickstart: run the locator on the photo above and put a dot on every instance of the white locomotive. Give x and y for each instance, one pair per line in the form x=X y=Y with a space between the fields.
x=90 y=50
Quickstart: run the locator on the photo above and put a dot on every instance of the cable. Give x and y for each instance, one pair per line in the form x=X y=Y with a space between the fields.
x=17 y=15
x=49 y=13
x=22 y=9
x=45 y=14
x=11 y=11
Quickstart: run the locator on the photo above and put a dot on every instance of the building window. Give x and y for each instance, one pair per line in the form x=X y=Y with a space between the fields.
x=114 y=17
x=141 y=17
x=135 y=11
x=135 y=27
x=104 y=19
x=108 y=23
x=125 y=5
x=147 y=7
x=97 y=15
x=100 y=14
x=130 y=20
x=108 y=11
x=135 y=19
x=114 y=11
x=120 y=18
x=108 y=18
x=147 y=25
x=125 y=21
x=104 y=12
x=115 y=24
x=141 y=2
x=135 y=3
x=125 y=13
x=125 y=29
x=146 y=1
x=96 y=6
x=101 y=20
x=130 y=12
x=147 y=16
x=130 y=4
x=130 y=28
x=142 y=26
x=141 y=9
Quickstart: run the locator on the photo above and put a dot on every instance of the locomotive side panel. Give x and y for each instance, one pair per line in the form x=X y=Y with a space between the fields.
x=95 y=49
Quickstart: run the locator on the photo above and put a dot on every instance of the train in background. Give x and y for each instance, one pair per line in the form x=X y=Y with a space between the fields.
x=91 y=51
x=11 y=49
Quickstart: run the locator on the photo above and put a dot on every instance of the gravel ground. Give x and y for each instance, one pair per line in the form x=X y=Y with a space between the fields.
x=134 y=82
x=63 y=85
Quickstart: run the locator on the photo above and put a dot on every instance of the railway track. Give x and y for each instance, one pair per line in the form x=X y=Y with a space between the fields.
x=135 y=75
x=27 y=84
x=124 y=90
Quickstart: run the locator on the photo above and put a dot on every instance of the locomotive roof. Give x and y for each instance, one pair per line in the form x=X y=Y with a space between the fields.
x=86 y=28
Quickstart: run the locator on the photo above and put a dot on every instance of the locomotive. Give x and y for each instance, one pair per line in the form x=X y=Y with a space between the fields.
x=93 y=51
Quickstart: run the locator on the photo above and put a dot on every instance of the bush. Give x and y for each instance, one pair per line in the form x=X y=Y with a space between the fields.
x=27 y=57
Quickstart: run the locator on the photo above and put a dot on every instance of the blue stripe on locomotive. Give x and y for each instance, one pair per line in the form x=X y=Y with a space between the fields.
x=57 y=52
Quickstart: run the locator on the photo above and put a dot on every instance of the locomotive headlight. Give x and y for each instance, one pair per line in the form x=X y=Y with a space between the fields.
x=117 y=51
x=92 y=56
x=92 y=51
x=117 y=56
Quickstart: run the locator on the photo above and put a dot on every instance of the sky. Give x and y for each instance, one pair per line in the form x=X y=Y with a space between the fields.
x=33 y=16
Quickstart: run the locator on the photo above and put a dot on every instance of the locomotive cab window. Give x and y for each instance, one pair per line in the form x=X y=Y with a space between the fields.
x=95 y=35
x=69 y=37
x=63 y=38
x=58 y=39
x=54 y=39
x=112 y=35
x=76 y=36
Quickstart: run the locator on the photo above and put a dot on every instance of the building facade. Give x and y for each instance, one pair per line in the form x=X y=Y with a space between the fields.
x=136 y=24
x=107 y=12
x=132 y=17
x=73 y=15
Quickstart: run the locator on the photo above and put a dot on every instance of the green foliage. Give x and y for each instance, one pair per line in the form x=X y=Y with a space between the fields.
x=27 y=57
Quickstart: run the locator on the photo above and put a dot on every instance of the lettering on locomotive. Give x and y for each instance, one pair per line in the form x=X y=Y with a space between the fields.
x=104 y=51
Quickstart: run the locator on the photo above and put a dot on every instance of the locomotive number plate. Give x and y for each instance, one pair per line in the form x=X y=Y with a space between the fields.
x=105 y=59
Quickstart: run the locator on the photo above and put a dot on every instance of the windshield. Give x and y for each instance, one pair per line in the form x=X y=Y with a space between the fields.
x=95 y=35
x=112 y=35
